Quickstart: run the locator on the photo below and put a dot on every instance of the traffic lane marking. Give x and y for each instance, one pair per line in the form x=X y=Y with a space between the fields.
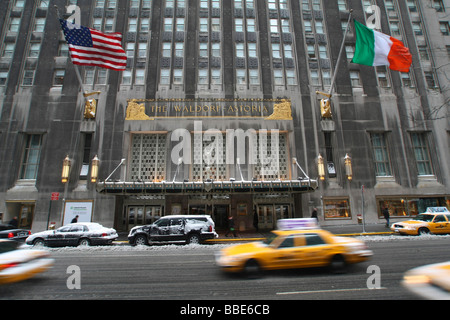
x=329 y=290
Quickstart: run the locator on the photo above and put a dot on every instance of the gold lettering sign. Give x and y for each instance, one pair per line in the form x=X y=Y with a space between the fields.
x=267 y=109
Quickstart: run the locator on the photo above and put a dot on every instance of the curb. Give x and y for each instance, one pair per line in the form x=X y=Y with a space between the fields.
x=259 y=239
x=220 y=240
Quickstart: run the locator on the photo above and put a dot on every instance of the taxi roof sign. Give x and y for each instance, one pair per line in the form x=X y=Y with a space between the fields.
x=297 y=224
x=437 y=209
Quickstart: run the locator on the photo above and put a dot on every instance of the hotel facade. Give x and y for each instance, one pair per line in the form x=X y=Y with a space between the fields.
x=220 y=112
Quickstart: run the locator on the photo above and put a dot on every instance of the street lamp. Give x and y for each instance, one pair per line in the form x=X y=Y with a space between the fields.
x=321 y=167
x=94 y=169
x=65 y=170
x=348 y=167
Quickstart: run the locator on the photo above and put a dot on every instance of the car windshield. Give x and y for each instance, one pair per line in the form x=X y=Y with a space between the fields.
x=424 y=217
x=272 y=236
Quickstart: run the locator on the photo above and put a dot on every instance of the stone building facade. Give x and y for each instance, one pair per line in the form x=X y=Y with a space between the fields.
x=217 y=113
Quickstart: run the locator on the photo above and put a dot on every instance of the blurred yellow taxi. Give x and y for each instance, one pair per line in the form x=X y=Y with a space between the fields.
x=431 y=281
x=435 y=220
x=20 y=264
x=298 y=243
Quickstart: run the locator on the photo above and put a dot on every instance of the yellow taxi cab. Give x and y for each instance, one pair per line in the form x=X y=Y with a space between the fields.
x=430 y=282
x=21 y=264
x=435 y=220
x=298 y=243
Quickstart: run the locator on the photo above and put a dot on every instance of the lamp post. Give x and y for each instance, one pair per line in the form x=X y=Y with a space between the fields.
x=94 y=169
x=321 y=167
x=348 y=167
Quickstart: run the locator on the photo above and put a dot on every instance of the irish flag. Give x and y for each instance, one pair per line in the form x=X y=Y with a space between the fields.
x=374 y=48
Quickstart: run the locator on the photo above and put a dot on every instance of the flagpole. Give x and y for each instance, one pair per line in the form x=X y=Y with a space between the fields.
x=77 y=71
x=340 y=53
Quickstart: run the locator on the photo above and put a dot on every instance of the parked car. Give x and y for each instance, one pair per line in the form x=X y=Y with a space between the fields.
x=174 y=228
x=20 y=264
x=74 y=234
x=12 y=233
x=298 y=243
x=435 y=220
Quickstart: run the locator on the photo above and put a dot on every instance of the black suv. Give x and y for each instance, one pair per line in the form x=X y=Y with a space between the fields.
x=174 y=228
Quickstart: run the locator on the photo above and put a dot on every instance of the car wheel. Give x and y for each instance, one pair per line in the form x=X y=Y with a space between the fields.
x=140 y=240
x=193 y=239
x=338 y=264
x=84 y=242
x=252 y=269
x=39 y=242
x=423 y=231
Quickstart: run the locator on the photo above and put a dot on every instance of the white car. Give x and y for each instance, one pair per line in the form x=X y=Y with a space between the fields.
x=20 y=264
x=174 y=228
x=74 y=234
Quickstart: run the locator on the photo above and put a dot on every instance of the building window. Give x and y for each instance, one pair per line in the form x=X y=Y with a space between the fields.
x=408 y=206
x=337 y=208
x=240 y=76
x=431 y=81
x=126 y=77
x=355 y=79
x=331 y=168
x=178 y=76
x=380 y=155
x=140 y=76
x=148 y=157
x=34 y=50
x=203 y=76
x=31 y=157
x=383 y=80
x=444 y=27
x=253 y=77
x=39 y=25
x=86 y=156
x=58 y=78
x=422 y=154
x=3 y=78
x=290 y=78
x=438 y=5
x=165 y=76
x=14 y=25
x=28 y=78
x=278 y=77
x=216 y=77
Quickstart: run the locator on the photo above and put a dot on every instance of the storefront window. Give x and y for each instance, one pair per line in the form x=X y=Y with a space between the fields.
x=409 y=206
x=337 y=209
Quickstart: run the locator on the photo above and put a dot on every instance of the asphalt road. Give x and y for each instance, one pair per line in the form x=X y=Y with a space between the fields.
x=189 y=273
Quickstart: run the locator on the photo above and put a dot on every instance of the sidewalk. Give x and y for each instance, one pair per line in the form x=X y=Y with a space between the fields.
x=340 y=230
x=253 y=235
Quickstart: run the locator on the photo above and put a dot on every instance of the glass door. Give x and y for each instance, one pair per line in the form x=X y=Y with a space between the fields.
x=135 y=216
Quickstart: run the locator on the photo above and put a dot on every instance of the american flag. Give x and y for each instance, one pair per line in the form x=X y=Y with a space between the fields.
x=90 y=47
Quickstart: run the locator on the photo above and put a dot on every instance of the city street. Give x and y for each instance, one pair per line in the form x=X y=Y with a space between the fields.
x=178 y=272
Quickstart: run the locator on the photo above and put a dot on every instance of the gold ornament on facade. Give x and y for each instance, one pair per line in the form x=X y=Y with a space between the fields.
x=90 y=109
x=136 y=111
x=281 y=111
x=90 y=106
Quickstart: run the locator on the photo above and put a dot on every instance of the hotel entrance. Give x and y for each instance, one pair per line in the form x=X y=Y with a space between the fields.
x=269 y=214
x=218 y=212
x=142 y=215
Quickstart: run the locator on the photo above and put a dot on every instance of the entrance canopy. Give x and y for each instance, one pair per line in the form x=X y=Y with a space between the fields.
x=165 y=187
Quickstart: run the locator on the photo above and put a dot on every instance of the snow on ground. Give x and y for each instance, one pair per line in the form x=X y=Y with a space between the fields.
x=124 y=246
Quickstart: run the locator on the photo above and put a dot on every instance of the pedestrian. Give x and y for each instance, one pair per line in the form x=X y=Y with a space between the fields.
x=74 y=220
x=314 y=215
x=255 y=220
x=14 y=222
x=231 y=227
x=386 y=216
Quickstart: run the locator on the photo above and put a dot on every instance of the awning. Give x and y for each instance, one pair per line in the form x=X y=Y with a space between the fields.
x=165 y=187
